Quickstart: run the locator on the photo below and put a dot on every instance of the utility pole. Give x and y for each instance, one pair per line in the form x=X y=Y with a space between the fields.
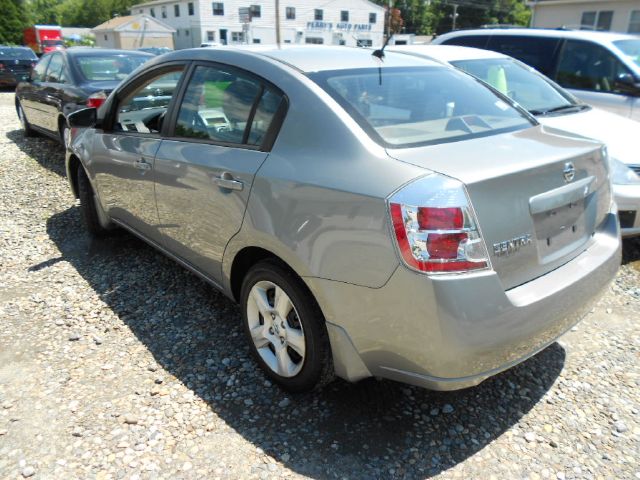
x=455 y=15
x=278 y=23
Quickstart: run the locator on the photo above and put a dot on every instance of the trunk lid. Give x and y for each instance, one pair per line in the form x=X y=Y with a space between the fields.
x=531 y=217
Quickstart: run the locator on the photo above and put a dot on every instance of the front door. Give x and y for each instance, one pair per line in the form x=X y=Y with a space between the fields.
x=223 y=36
x=32 y=94
x=124 y=153
x=205 y=169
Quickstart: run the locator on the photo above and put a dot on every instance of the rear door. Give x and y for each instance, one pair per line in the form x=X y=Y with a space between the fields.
x=123 y=154
x=221 y=134
x=590 y=71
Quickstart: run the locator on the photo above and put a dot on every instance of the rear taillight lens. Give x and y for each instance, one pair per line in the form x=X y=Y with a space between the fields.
x=1 y=66
x=96 y=99
x=435 y=227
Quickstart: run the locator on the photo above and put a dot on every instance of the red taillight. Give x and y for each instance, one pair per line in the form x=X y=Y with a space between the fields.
x=1 y=66
x=95 y=100
x=433 y=218
x=437 y=237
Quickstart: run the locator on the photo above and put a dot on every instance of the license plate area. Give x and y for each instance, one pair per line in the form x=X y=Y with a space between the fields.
x=561 y=230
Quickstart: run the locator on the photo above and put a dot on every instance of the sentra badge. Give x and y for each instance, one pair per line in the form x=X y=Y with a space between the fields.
x=508 y=247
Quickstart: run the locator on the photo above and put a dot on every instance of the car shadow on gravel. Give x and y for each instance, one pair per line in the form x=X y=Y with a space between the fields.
x=631 y=250
x=45 y=151
x=373 y=429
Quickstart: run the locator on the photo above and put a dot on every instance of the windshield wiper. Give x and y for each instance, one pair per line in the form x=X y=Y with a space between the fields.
x=561 y=108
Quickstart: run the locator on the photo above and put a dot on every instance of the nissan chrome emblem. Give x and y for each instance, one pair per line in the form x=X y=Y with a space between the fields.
x=569 y=172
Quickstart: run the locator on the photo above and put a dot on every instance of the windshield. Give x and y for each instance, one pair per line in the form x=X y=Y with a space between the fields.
x=53 y=43
x=631 y=48
x=108 y=67
x=405 y=107
x=525 y=86
x=17 y=54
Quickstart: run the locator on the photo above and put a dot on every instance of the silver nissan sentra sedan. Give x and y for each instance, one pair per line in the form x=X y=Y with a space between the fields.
x=384 y=217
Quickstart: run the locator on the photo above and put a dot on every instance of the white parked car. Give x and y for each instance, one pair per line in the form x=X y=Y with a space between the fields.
x=555 y=107
x=600 y=68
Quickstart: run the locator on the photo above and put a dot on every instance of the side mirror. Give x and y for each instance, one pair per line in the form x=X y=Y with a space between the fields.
x=627 y=83
x=85 y=118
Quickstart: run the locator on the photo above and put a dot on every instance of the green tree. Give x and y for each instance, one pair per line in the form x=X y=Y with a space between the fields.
x=13 y=20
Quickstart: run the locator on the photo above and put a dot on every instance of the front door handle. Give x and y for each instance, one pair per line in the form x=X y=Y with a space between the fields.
x=227 y=181
x=142 y=164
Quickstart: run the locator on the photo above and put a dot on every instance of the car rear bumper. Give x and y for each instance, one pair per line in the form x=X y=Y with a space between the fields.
x=452 y=332
x=11 y=79
x=628 y=199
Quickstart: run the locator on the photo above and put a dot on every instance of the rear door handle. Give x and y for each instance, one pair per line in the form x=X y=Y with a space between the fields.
x=142 y=164
x=227 y=181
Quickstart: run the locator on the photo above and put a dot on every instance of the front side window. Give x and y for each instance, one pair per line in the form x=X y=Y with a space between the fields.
x=96 y=68
x=291 y=13
x=537 y=52
x=54 y=72
x=40 y=69
x=344 y=16
x=218 y=8
x=630 y=48
x=226 y=106
x=143 y=110
x=588 y=66
x=318 y=14
x=527 y=87
x=406 y=107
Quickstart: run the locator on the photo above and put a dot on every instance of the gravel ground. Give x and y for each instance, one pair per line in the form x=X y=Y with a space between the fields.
x=117 y=363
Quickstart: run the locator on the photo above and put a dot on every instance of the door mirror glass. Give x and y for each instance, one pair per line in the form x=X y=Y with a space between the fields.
x=627 y=83
x=85 y=118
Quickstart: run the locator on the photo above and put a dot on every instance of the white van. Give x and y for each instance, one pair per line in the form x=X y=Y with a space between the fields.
x=601 y=68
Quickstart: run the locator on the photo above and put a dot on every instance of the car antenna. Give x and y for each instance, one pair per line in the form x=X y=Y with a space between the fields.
x=379 y=54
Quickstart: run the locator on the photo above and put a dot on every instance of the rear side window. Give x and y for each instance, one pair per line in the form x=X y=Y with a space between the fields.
x=537 y=52
x=588 y=66
x=226 y=106
x=406 y=107
x=476 y=41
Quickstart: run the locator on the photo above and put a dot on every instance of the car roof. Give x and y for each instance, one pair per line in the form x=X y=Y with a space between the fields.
x=447 y=53
x=596 y=36
x=309 y=58
x=97 y=52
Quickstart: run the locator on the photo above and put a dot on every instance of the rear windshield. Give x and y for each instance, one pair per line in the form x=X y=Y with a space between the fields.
x=109 y=67
x=18 y=54
x=631 y=48
x=407 y=107
x=527 y=87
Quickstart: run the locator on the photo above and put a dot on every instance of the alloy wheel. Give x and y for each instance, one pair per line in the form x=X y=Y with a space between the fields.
x=276 y=330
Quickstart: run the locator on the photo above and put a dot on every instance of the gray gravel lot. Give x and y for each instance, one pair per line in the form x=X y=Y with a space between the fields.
x=117 y=363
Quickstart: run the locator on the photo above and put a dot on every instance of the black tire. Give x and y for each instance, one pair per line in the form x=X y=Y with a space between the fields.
x=317 y=365
x=26 y=126
x=88 y=207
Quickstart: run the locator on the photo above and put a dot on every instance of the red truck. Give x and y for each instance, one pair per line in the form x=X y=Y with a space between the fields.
x=43 y=38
